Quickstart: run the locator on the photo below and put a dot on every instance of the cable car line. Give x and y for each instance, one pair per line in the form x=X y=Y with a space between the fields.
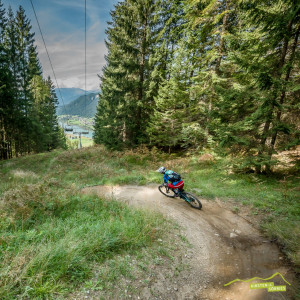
x=48 y=54
x=85 y=95
x=85 y=57
x=67 y=128
x=83 y=132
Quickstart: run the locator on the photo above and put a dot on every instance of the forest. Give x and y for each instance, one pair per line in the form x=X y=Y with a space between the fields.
x=28 y=121
x=209 y=74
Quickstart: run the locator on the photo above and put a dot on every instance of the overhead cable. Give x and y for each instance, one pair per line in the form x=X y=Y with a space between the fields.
x=85 y=56
x=48 y=55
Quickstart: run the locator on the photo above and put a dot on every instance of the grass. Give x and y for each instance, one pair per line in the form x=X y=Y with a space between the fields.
x=275 y=199
x=49 y=244
x=85 y=142
x=50 y=237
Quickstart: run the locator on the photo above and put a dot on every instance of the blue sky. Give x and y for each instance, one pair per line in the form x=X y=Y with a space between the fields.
x=62 y=24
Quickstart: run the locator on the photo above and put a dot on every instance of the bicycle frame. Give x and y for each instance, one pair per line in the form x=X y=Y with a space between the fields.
x=187 y=197
x=183 y=196
x=180 y=193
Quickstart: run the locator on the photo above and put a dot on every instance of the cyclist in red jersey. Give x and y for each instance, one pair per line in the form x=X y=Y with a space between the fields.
x=175 y=179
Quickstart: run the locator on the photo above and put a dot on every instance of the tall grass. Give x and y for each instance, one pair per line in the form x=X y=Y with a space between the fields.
x=51 y=245
x=51 y=235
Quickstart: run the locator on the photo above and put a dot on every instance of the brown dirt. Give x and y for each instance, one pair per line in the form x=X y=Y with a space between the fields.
x=225 y=246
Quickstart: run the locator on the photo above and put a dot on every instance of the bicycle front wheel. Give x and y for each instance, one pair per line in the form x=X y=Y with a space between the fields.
x=193 y=200
x=166 y=191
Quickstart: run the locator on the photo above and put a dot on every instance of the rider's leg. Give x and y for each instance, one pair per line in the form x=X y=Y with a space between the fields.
x=174 y=188
x=179 y=185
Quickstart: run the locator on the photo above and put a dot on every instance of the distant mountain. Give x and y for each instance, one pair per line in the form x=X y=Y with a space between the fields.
x=81 y=107
x=70 y=94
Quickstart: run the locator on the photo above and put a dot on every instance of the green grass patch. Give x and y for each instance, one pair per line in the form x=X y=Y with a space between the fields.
x=50 y=245
x=85 y=142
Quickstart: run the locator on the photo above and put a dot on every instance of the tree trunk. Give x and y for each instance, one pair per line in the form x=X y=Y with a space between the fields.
x=283 y=93
x=279 y=71
x=141 y=83
x=222 y=43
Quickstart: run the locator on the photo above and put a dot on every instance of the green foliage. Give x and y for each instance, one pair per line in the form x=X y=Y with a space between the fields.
x=218 y=74
x=124 y=106
x=28 y=103
x=165 y=126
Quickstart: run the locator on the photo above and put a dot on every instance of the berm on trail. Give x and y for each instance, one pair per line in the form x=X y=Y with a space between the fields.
x=225 y=247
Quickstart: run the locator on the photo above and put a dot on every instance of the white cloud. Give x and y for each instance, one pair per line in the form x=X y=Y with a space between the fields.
x=62 y=24
x=68 y=62
x=66 y=47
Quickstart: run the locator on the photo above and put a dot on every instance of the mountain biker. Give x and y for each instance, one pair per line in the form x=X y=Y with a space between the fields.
x=176 y=182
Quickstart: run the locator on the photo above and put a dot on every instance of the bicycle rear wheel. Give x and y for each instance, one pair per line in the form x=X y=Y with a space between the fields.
x=166 y=191
x=193 y=200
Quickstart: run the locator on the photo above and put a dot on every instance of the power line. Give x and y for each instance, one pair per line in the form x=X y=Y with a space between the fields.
x=85 y=57
x=48 y=55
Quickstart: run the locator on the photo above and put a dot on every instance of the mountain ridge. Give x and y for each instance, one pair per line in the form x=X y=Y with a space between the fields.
x=81 y=106
x=67 y=95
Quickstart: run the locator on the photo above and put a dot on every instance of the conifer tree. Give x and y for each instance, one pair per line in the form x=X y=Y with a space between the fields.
x=264 y=54
x=48 y=135
x=216 y=74
x=28 y=121
x=280 y=26
x=170 y=125
x=124 y=104
x=6 y=98
x=28 y=67
x=212 y=21
x=167 y=34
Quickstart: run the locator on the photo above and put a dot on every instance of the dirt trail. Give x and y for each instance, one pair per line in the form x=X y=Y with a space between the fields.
x=225 y=247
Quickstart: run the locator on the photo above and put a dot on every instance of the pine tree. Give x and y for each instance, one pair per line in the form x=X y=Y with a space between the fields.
x=124 y=105
x=196 y=59
x=264 y=54
x=213 y=21
x=6 y=97
x=165 y=125
x=171 y=125
x=58 y=139
x=28 y=121
x=47 y=132
x=28 y=67
x=281 y=28
x=166 y=36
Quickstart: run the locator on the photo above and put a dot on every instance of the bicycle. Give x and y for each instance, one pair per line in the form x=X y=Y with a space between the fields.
x=188 y=197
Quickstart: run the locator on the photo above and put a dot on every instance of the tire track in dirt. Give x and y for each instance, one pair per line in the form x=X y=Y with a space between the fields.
x=225 y=246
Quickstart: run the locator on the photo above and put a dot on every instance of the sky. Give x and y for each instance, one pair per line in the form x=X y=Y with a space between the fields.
x=62 y=25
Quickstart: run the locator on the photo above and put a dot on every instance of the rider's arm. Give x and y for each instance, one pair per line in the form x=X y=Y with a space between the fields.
x=166 y=178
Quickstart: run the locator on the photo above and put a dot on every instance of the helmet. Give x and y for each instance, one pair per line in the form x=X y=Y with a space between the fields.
x=161 y=170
